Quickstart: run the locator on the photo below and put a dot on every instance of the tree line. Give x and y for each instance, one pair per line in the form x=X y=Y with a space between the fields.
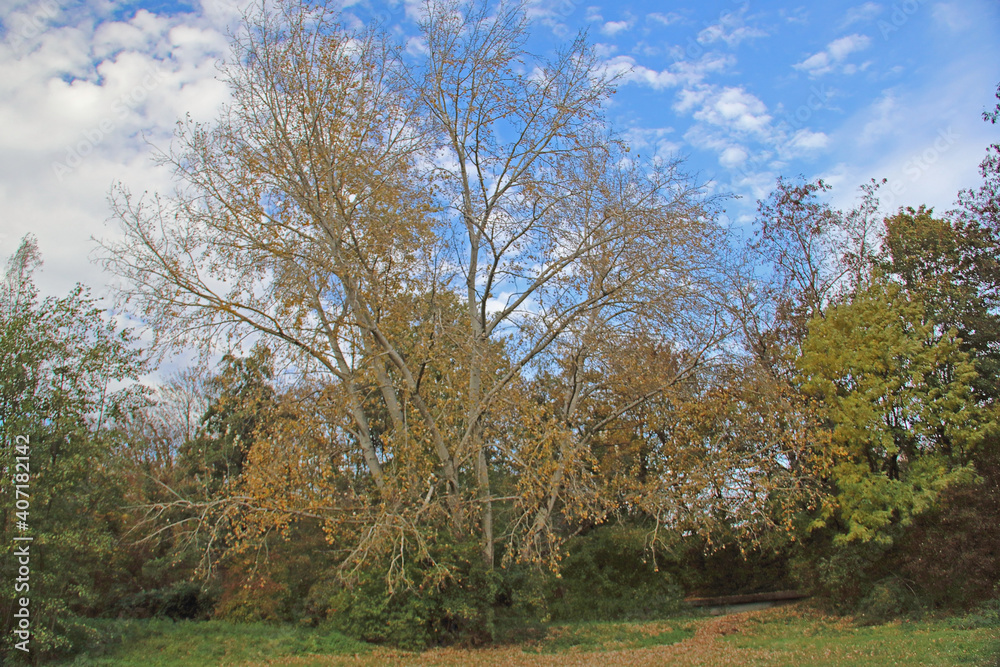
x=482 y=365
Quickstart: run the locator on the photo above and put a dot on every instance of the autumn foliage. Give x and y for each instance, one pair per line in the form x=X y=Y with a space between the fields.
x=466 y=361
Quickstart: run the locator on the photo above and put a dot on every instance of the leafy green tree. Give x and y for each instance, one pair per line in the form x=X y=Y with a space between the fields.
x=244 y=401
x=897 y=392
x=60 y=363
x=951 y=267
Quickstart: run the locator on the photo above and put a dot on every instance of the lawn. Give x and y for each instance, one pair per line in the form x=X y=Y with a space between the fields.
x=792 y=635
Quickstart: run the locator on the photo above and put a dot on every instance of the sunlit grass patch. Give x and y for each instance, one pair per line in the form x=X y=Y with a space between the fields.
x=803 y=636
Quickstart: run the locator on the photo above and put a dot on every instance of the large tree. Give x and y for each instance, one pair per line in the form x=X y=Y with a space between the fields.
x=423 y=237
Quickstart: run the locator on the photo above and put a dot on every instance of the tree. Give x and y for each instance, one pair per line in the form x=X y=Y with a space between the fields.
x=60 y=360
x=811 y=254
x=898 y=395
x=951 y=267
x=347 y=197
x=244 y=405
x=170 y=420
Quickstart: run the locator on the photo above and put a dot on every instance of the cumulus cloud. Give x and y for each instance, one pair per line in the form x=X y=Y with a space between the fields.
x=605 y=51
x=631 y=72
x=737 y=110
x=80 y=98
x=614 y=27
x=833 y=56
x=733 y=156
x=807 y=141
x=664 y=19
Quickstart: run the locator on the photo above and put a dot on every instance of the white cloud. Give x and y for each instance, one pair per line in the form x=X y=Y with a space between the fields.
x=614 y=27
x=918 y=138
x=414 y=9
x=604 y=51
x=737 y=110
x=666 y=19
x=797 y=16
x=657 y=142
x=689 y=98
x=953 y=15
x=733 y=156
x=78 y=101
x=845 y=46
x=835 y=53
x=552 y=13
x=862 y=13
x=626 y=67
x=695 y=71
x=883 y=119
x=731 y=28
x=416 y=46
x=807 y=140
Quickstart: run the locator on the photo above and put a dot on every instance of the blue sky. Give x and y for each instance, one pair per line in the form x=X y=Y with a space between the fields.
x=743 y=91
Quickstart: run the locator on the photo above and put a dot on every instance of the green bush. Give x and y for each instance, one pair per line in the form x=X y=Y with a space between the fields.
x=610 y=575
x=888 y=599
x=983 y=615
x=452 y=598
x=180 y=600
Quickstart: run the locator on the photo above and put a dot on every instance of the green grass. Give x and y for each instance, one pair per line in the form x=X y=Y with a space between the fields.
x=795 y=635
x=163 y=643
x=805 y=637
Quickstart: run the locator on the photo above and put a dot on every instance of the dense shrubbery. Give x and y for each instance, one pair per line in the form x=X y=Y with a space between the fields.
x=611 y=574
x=446 y=596
x=182 y=600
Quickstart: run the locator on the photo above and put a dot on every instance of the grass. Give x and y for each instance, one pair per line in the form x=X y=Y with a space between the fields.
x=793 y=635
x=602 y=636
x=164 y=643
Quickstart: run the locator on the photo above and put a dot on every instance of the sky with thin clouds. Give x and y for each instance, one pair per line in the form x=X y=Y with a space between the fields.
x=742 y=91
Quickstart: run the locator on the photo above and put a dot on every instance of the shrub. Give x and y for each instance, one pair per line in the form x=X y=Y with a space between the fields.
x=450 y=598
x=180 y=600
x=888 y=599
x=610 y=575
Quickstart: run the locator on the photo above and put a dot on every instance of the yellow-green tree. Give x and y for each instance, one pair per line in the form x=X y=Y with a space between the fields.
x=897 y=394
